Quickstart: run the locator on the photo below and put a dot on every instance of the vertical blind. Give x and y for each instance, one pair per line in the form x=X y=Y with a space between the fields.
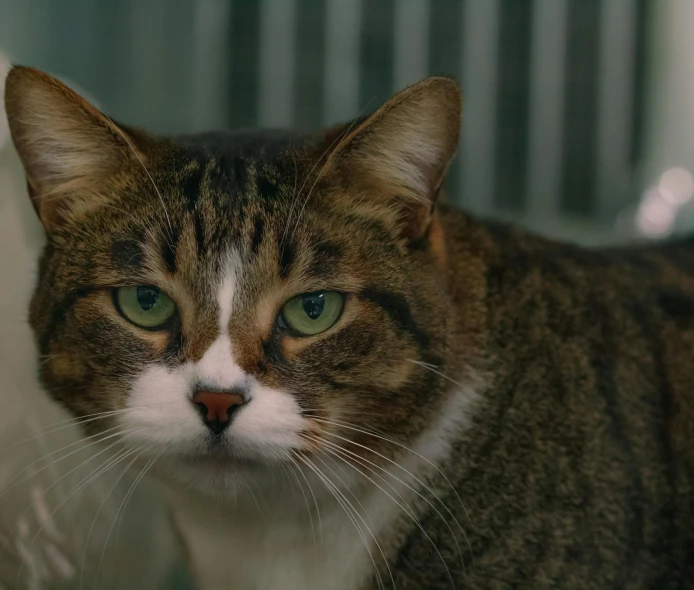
x=553 y=89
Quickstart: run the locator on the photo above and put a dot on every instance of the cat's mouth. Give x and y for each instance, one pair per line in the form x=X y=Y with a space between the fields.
x=217 y=461
x=219 y=457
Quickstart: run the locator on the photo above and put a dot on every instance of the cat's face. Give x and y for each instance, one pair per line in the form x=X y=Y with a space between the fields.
x=233 y=301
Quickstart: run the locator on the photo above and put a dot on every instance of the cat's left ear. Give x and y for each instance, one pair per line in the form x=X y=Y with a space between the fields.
x=68 y=147
x=401 y=153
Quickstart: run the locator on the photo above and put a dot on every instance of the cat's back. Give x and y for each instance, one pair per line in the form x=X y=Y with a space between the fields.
x=626 y=312
x=578 y=471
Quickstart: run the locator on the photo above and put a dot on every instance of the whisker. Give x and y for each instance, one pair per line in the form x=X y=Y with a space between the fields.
x=344 y=485
x=92 y=476
x=303 y=184
x=359 y=503
x=407 y=510
x=336 y=143
x=433 y=369
x=349 y=510
x=333 y=448
x=329 y=150
x=308 y=508
x=69 y=423
x=124 y=503
x=62 y=477
x=6 y=545
x=285 y=479
x=12 y=485
x=101 y=506
x=330 y=484
x=139 y=222
x=344 y=412
x=156 y=188
x=425 y=364
x=402 y=446
x=132 y=491
x=96 y=195
x=257 y=504
x=295 y=195
x=310 y=489
x=87 y=480
x=45 y=358
x=362 y=460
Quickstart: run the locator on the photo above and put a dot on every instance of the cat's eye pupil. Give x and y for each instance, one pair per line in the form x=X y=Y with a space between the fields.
x=147 y=297
x=313 y=305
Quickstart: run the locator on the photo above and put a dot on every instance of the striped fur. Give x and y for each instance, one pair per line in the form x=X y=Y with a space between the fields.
x=528 y=403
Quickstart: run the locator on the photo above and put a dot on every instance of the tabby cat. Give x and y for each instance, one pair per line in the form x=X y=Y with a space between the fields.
x=341 y=383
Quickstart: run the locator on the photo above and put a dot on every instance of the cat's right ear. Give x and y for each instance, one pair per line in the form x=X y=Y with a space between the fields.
x=395 y=160
x=67 y=146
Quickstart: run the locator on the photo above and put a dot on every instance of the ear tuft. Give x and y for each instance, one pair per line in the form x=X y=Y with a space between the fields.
x=67 y=146
x=404 y=149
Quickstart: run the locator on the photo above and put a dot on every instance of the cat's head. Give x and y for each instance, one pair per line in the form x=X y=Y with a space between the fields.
x=235 y=299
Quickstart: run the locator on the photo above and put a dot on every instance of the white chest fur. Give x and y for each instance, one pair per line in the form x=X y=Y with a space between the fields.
x=247 y=550
x=270 y=544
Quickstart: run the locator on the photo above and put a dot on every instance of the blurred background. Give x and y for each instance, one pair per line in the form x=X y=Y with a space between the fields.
x=573 y=111
x=578 y=123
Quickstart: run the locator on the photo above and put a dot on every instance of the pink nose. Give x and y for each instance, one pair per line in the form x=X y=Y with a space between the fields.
x=217 y=408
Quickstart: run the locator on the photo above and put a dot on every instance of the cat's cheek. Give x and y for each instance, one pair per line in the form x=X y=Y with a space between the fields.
x=158 y=411
x=270 y=423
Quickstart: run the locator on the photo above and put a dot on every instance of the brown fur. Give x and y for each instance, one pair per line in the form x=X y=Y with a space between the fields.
x=576 y=471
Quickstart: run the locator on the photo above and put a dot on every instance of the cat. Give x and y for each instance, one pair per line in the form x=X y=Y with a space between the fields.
x=339 y=381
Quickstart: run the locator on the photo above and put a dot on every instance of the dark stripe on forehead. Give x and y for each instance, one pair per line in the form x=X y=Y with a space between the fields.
x=228 y=179
x=286 y=256
x=266 y=188
x=395 y=305
x=199 y=234
x=257 y=238
x=325 y=259
x=241 y=173
x=127 y=254
x=191 y=187
x=168 y=250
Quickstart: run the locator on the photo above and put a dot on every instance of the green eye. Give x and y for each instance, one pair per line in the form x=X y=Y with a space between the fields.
x=312 y=313
x=145 y=306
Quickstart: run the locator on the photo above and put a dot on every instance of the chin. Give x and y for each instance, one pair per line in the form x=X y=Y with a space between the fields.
x=216 y=473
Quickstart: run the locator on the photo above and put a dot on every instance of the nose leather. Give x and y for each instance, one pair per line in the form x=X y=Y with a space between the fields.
x=216 y=408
